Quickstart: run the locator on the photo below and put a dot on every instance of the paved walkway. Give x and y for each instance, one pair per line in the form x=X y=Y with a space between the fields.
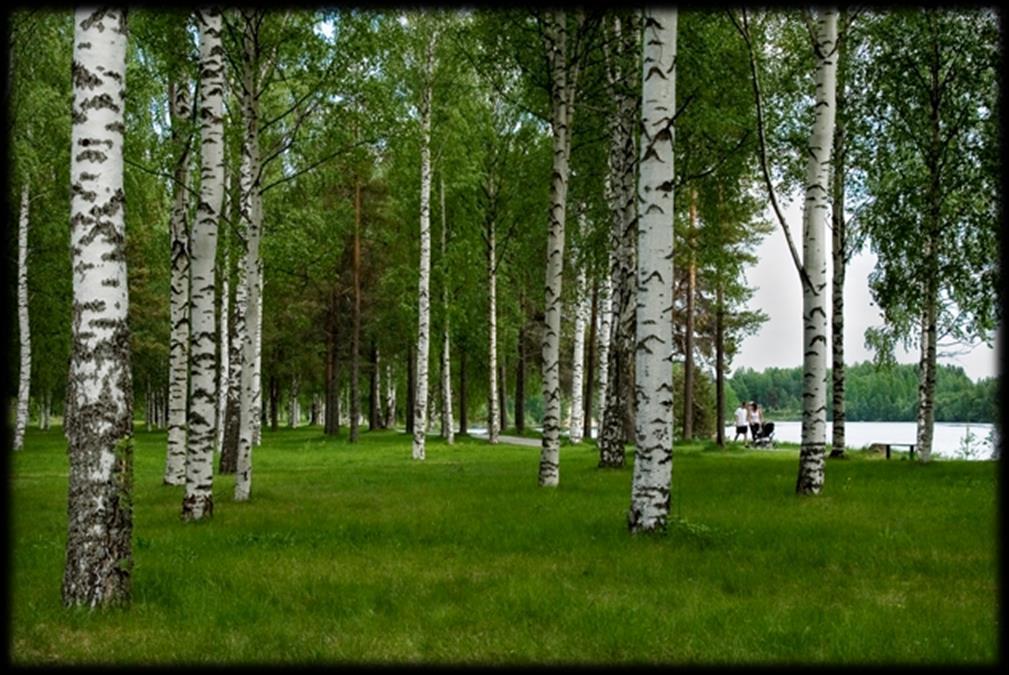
x=515 y=440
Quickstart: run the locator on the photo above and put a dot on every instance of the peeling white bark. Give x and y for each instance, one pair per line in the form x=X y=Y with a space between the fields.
x=653 y=461
x=582 y=309
x=25 y=370
x=250 y=214
x=225 y=366
x=815 y=214
x=178 y=369
x=199 y=500
x=424 y=283
x=604 y=319
x=98 y=417
x=447 y=429
x=563 y=78
x=493 y=416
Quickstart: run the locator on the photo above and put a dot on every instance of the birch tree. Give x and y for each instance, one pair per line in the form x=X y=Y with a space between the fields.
x=578 y=352
x=812 y=268
x=250 y=214
x=933 y=220
x=424 y=282
x=178 y=376
x=604 y=319
x=198 y=502
x=24 y=329
x=563 y=69
x=617 y=400
x=98 y=420
x=653 y=356
x=447 y=429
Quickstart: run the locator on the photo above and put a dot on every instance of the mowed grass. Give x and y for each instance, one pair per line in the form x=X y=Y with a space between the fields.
x=358 y=554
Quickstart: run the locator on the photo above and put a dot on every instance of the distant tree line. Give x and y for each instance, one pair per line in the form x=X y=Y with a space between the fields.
x=875 y=394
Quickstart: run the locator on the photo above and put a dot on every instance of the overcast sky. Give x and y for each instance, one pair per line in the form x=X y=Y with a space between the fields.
x=779 y=341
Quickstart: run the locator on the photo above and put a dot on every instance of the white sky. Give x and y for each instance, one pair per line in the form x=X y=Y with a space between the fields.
x=779 y=341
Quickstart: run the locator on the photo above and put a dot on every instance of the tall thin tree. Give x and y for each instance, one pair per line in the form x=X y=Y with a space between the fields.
x=198 y=502
x=98 y=419
x=653 y=460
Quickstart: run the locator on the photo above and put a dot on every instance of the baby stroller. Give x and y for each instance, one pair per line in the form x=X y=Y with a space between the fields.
x=765 y=438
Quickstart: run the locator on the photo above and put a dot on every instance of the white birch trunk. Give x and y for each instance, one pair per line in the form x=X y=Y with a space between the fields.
x=562 y=95
x=390 y=398
x=98 y=416
x=250 y=213
x=653 y=366
x=424 y=283
x=582 y=309
x=25 y=371
x=294 y=408
x=925 y=415
x=605 y=319
x=46 y=409
x=814 y=261
x=447 y=426
x=178 y=369
x=617 y=401
x=225 y=365
x=257 y=364
x=199 y=500
x=493 y=416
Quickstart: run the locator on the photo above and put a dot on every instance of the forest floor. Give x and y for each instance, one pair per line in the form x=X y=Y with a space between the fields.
x=358 y=554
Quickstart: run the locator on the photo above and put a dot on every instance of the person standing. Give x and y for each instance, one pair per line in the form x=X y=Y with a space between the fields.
x=756 y=420
x=742 y=420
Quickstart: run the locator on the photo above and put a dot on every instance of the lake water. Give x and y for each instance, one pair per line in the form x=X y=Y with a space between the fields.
x=948 y=438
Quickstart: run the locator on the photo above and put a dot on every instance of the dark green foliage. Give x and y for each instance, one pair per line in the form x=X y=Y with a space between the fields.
x=888 y=394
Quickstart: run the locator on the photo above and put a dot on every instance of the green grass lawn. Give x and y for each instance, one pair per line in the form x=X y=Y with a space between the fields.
x=360 y=554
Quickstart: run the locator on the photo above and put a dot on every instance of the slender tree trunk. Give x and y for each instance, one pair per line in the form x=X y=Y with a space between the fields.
x=390 y=398
x=239 y=336
x=148 y=407
x=47 y=403
x=688 y=347
x=257 y=367
x=223 y=356
x=520 y=378
x=605 y=317
x=578 y=352
x=653 y=460
x=424 y=283
x=719 y=366
x=563 y=85
x=331 y=423
x=98 y=417
x=294 y=405
x=274 y=402
x=502 y=396
x=198 y=502
x=590 y=364
x=814 y=262
x=373 y=391
x=250 y=208
x=447 y=426
x=25 y=370
x=411 y=391
x=355 y=338
x=463 y=420
x=840 y=262
x=492 y=370
x=619 y=397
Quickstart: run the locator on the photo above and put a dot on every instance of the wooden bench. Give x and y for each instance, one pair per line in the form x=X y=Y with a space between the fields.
x=909 y=446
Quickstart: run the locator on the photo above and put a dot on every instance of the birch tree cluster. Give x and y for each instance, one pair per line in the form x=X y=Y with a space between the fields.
x=475 y=223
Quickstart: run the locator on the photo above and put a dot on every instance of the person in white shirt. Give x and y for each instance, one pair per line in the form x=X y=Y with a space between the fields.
x=756 y=419
x=742 y=420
